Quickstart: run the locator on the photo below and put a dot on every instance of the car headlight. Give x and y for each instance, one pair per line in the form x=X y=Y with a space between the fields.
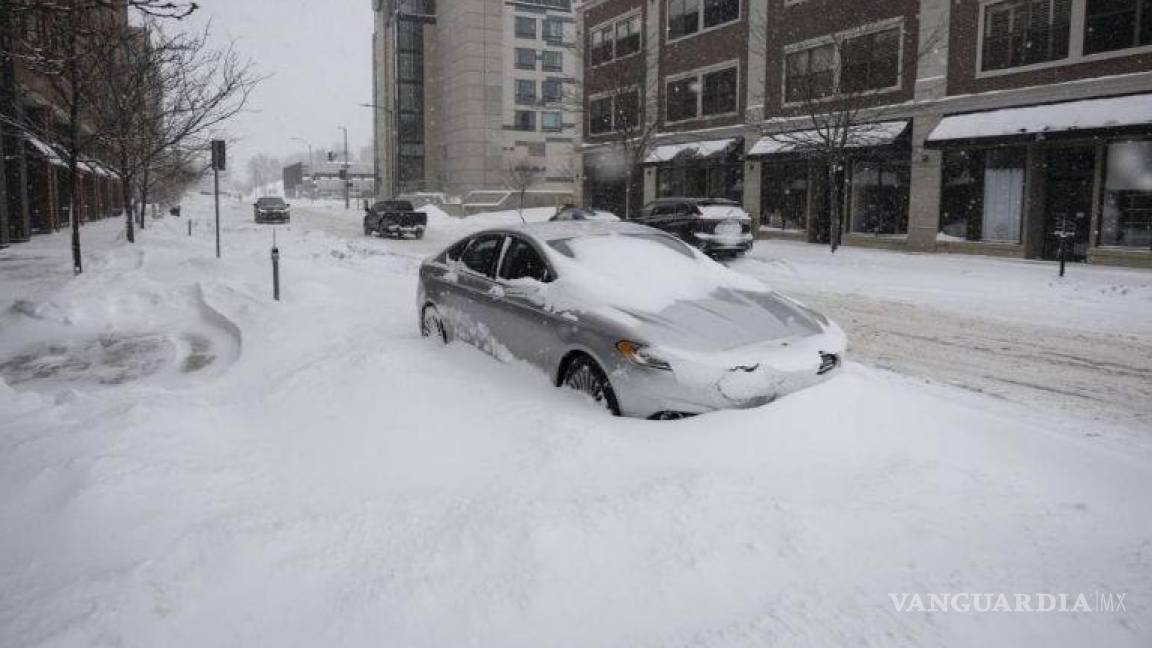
x=641 y=355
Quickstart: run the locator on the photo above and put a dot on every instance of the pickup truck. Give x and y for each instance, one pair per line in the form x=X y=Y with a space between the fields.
x=394 y=218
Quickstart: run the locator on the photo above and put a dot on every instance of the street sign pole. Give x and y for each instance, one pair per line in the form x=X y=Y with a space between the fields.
x=218 y=165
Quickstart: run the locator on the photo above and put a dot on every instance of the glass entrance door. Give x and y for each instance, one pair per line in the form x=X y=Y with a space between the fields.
x=1068 y=200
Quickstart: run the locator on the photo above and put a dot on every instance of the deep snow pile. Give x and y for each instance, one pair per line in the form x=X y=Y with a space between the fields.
x=333 y=479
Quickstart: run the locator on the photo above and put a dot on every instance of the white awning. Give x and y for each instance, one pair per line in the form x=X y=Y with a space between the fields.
x=50 y=154
x=1092 y=114
x=861 y=136
x=669 y=152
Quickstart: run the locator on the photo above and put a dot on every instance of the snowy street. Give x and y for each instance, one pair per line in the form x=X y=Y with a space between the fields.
x=185 y=462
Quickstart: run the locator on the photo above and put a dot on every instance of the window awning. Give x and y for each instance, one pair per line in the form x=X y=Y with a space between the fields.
x=705 y=149
x=862 y=136
x=50 y=154
x=1091 y=114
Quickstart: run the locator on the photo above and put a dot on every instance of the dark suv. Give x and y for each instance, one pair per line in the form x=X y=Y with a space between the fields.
x=714 y=225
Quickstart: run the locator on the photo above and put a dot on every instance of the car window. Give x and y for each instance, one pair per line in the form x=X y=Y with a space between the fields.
x=453 y=253
x=482 y=252
x=393 y=205
x=521 y=261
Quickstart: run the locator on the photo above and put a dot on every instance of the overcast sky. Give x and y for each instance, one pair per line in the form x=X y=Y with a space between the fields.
x=319 y=56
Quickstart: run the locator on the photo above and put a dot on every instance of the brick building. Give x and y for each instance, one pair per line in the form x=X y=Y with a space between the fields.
x=995 y=123
x=35 y=182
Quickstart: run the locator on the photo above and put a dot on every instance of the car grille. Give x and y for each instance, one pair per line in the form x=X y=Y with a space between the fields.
x=828 y=362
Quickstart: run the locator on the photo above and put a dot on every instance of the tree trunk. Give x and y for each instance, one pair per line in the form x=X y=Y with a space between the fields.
x=834 y=208
x=143 y=197
x=74 y=134
x=126 y=201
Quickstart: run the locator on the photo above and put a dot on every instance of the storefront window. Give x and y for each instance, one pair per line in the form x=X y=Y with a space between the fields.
x=1127 y=215
x=701 y=180
x=880 y=196
x=983 y=194
x=785 y=197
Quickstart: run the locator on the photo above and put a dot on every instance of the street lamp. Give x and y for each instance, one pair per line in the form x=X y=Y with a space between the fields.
x=347 y=182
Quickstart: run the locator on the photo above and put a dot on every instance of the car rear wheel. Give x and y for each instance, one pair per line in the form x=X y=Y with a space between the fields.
x=432 y=324
x=586 y=377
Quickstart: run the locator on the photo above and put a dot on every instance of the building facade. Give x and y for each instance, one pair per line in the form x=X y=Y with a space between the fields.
x=35 y=179
x=982 y=126
x=464 y=90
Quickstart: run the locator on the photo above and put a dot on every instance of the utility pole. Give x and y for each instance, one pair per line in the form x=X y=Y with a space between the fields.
x=347 y=182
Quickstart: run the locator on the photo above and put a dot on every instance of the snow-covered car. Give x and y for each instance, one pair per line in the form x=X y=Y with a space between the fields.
x=714 y=225
x=271 y=209
x=631 y=316
x=584 y=214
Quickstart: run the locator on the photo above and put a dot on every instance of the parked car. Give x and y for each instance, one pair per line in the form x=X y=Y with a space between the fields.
x=583 y=214
x=632 y=317
x=714 y=225
x=394 y=218
x=272 y=209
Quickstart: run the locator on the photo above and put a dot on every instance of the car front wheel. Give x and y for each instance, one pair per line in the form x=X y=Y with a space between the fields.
x=586 y=377
x=431 y=324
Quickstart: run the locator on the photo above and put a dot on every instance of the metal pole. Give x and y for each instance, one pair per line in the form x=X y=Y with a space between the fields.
x=275 y=272
x=347 y=181
x=216 y=183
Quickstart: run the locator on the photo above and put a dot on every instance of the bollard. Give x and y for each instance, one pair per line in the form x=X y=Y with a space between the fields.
x=275 y=273
x=189 y=227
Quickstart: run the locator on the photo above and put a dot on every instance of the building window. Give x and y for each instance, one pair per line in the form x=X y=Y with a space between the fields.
x=553 y=30
x=551 y=90
x=1024 y=32
x=525 y=59
x=701 y=179
x=1111 y=25
x=718 y=12
x=880 y=195
x=706 y=95
x=525 y=120
x=871 y=62
x=983 y=194
x=627 y=111
x=602 y=46
x=525 y=27
x=551 y=121
x=628 y=36
x=525 y=92
x=553 y=61
x=684 y=16
x=785 y=195
x=1126 y=218
x=683 y=99
x=810 y=74
x=600 y=116
x=719 y=92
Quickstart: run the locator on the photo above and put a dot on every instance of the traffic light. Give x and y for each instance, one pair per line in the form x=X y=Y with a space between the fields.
x=218 y=156
x=331 y=156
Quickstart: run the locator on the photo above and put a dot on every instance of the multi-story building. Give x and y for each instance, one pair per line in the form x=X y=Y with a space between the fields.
x=466 y=89
x=35 y=182
x=991 y=124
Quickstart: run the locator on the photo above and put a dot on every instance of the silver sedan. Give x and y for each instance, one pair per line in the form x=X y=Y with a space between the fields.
x=634 y=318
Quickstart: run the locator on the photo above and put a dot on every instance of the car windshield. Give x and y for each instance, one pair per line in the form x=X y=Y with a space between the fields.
x=393 y=205
x=270 y=202
x=579 y=247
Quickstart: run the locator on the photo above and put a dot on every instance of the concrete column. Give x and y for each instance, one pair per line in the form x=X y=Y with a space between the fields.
x=649 y=184
x=925 y=180
x=757 y=56
x=23 y=215
x=753 y=193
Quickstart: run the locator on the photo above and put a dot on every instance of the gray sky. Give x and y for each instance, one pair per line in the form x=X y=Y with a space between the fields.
x=319 y=53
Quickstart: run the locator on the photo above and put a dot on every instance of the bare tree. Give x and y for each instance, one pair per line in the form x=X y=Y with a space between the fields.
x=263 y=170
x=55 y=38
x=521 y=176
x=834 y=100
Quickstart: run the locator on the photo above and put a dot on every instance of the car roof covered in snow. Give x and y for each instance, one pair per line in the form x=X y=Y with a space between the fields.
x=561 y=230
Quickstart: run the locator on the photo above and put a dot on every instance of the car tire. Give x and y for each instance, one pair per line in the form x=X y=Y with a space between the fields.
x=586 y=377
x=432 y=324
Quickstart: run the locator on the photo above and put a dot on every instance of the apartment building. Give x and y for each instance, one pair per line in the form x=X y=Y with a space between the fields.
x=35 y=181
x=991 y=125
x=466 y=89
